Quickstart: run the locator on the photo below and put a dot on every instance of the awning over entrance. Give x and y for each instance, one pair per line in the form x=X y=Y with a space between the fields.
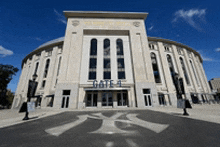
x=106 y=89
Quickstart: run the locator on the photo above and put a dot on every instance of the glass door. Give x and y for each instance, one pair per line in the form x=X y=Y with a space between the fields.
x=107 y=99
x=122 y=98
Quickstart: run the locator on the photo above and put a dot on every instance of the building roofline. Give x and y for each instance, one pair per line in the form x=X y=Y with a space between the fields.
x=105 y=14
x=176 y=43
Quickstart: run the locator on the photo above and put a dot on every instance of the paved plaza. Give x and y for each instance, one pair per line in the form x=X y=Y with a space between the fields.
x=160 y=126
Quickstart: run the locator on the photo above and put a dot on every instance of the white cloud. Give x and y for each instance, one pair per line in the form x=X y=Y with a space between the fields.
x=60 y=17
x=217 y=50
x=151 y=28
x=205 y=58
x=191 y=16
x=5 y=52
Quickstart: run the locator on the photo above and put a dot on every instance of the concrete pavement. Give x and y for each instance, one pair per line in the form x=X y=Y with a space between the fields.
x=205 y=112
x=11 y=117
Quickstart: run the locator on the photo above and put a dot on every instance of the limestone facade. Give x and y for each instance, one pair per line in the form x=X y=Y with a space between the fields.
x=106 y=60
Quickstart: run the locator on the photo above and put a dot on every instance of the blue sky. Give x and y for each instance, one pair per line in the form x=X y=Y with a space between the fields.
x=26 y=24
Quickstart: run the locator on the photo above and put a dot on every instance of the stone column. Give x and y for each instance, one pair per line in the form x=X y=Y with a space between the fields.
x=115 y=103
x=51 y=74
x=180 y=70
x=81 y=99
x=194 y=83
x=40 y=70
x=99 y=69
x=167 y=75
x=113 y=59
x=99 y=101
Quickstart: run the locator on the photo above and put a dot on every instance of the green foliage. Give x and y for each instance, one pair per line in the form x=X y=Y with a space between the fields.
x=6 y=73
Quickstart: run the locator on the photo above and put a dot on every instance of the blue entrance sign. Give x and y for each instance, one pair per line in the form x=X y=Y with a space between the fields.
x=105 y=83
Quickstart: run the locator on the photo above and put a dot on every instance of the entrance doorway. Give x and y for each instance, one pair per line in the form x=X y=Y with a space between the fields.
x=91 y=99
x=122 y=98
x=107 y=99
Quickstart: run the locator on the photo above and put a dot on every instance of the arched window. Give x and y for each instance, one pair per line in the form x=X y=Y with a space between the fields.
x=46 y=68
x=36 y=67
x=171 y=67
x=197 y=81
x=119 y=47
x=93 y=47
x=106 y=60
x=184 y=71
x=106 y=47
x=93 y=59
x=120 y=59
x=155 y=68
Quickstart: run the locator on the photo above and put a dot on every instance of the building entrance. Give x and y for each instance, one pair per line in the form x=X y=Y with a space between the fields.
x=107 y=99
x=122 y=98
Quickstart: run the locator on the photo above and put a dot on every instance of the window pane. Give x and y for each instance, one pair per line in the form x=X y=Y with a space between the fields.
x=67 y=102
x=93 y=63
x=121 y=63
x=107 y=75
x=149 y=100
x=107 y=63
x=106 y=47
x=119 y=47
x=146 y=91
x=121 y=75
x=145 y=98
x=66 y=92
x=43 y=84
x=37 y=64
x=93 y=48
x=92 y=75
x=46 y=68
x=63 y=102
x=155 y=68
x=184 y=71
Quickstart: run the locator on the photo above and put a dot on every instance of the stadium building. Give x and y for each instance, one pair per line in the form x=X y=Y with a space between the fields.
x=106 y=60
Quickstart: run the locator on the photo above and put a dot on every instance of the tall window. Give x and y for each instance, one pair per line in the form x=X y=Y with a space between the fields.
x=106 y=60
x=36 y=67
x=184 y=71
x=93 y=59
x=171 y=67
x=58 y=70
x=155 y=68
x=46 y=68
x=194 y=73
x=120 y=59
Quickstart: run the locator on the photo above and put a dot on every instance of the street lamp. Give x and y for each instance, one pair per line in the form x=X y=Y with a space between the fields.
x=178 y=82
x=32 y=85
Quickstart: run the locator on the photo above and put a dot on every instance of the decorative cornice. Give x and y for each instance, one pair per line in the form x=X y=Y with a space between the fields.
x=102 y=14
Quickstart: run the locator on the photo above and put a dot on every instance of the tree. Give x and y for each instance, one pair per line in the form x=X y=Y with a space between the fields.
x=6 y=73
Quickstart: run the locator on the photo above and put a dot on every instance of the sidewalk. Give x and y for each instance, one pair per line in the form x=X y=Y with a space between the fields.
x=9 y=117
x=205 y=112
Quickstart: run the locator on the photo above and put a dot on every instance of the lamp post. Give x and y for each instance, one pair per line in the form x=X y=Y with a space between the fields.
x=178 y=82
x=32 y=85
